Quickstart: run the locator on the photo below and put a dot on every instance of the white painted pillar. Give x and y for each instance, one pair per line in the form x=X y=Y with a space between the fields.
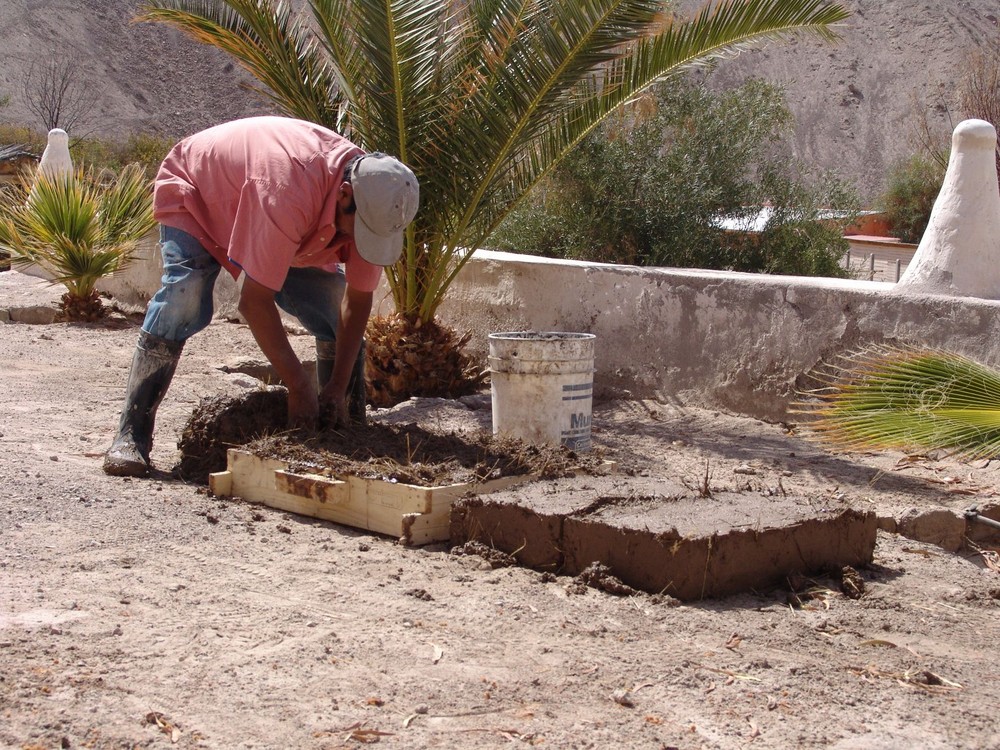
x=56 y=161
x=959 y=254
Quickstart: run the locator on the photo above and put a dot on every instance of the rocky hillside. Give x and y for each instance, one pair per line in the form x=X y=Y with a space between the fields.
x=854 y=101
x=150 y=78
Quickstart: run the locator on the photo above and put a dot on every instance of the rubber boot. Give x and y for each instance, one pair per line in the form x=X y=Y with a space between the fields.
x=357 y=398
x=153 y=366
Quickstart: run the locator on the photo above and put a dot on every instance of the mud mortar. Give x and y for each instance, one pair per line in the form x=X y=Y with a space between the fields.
x=223 y=422
x=403 y=452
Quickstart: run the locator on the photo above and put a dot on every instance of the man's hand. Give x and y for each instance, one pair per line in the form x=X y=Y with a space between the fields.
x=333 y=412
x=303 y=405
x=257 y=306
x=350 y=330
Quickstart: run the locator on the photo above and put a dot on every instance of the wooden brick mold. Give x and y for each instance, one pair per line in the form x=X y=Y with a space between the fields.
x=416 y=515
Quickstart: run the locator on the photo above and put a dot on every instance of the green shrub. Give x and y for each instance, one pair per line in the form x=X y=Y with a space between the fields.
x=79 y=227
x=912 y=187
x=22 y=136
x=143 y=149
x=649 y=188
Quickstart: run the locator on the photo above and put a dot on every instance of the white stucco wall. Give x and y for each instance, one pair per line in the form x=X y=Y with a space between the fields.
x=736 y=341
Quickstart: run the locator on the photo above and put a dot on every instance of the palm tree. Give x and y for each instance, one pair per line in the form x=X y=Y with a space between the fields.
x=482 y=98
x=79 y=227
x=907 y=398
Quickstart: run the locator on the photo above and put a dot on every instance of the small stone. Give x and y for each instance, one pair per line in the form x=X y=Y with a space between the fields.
x=623 y=697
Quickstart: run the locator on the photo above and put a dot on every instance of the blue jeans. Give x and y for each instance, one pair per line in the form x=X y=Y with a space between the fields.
x=183 y=305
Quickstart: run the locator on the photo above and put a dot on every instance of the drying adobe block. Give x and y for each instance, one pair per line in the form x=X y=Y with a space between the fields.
x=660 y=537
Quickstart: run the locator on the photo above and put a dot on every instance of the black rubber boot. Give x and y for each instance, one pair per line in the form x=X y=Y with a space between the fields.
x=357 y=398
x=153 y=366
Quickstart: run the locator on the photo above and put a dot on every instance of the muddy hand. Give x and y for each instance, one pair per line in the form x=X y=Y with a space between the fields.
x=334 y=413
x=303 y=408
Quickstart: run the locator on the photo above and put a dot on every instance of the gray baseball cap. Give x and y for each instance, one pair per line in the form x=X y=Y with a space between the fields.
x=387 y=195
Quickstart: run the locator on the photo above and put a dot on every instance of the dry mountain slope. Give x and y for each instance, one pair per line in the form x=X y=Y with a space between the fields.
x=852 y=100
x=150 y=77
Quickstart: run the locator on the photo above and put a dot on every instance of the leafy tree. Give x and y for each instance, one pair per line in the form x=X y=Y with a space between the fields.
x=78 y=227
x=481 y=98
x=649 y=187
x=913 y=186
x=804 y=235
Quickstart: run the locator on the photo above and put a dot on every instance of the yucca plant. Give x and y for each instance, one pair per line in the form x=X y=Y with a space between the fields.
x=78 y=227
x=907 y=398
x=482 y=98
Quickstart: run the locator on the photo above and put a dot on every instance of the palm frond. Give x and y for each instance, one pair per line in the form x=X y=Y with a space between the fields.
x=907 y=398
x=717 y=31
x=602 y=88
x=481 y=98
x=125 y=207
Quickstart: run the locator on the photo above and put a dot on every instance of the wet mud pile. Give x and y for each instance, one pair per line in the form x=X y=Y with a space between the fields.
x=223 y=422
x=411 y=454
x=406 y=453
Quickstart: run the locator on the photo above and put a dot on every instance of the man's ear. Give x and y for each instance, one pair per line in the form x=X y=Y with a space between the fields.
x=346 y=192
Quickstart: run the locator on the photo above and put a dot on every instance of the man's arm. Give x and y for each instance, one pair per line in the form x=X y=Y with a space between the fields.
x=258 y=307
x=354 y=314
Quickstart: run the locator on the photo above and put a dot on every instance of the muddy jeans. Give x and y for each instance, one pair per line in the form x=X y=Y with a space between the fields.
x=183 y=305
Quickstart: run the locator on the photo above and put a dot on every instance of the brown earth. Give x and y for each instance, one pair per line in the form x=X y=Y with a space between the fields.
x=858 y=103
x=146 y=613
x=425 y=456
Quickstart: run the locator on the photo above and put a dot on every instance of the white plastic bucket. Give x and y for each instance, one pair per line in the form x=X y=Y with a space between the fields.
x=543 y=386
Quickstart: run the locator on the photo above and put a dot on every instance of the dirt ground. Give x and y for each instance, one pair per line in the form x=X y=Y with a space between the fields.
x=146 y=613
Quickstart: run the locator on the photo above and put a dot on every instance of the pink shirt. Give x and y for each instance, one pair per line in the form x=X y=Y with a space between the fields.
x=260 y=195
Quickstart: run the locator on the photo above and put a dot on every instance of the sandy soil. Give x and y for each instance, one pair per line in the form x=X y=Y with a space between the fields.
x=146 y=613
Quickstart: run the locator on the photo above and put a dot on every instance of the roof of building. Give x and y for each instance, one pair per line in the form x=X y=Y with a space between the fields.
x=754 y=219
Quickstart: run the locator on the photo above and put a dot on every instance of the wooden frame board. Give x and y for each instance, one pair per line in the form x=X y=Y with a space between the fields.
x=416 y=515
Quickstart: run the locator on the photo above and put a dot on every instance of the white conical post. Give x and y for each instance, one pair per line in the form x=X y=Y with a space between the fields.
x=56 y=161
x=959 y=254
